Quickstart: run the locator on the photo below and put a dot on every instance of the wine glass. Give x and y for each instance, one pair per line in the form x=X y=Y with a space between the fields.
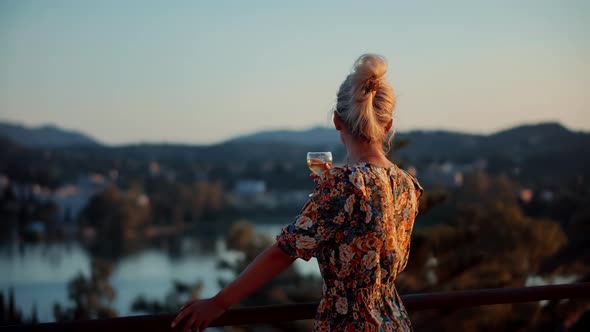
x=319 y=162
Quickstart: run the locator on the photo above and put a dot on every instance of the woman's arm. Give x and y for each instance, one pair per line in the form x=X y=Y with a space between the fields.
x=268 y=264
x=263 y=268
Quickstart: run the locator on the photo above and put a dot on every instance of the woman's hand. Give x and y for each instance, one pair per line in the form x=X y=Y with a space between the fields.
x=317 y=178
x=198 y=314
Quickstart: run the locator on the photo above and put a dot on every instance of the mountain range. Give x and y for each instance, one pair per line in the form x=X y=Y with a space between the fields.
x=548 y=140
x=546 y=152
x=45 y=136
x=549 y=134
x=540 y=149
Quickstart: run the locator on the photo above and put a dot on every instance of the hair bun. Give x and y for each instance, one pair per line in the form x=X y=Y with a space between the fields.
x=368 y=69
x=365 y=100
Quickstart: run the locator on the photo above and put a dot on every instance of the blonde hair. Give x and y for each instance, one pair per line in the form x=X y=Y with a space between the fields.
x=365 y=100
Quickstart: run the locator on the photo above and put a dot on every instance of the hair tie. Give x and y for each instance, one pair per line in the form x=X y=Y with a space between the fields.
x=372 y=85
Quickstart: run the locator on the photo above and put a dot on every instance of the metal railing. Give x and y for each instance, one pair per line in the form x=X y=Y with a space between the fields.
x=291 y=312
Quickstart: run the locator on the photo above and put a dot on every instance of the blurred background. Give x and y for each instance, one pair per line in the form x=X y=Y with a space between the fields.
x=150 y=149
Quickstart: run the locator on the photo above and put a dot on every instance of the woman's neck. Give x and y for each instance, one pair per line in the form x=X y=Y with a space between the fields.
x=361 y=152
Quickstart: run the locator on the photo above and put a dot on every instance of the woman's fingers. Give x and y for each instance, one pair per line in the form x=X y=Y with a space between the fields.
x=189 y=324
x=204 y=325
x=185 y=305
x=179 y=317
x=196 y=315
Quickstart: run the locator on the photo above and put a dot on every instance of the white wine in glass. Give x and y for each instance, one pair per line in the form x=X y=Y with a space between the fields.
x=319 y=162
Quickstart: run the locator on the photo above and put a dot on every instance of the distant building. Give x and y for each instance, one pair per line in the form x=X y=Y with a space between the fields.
x=96 y=178
x=72 y=198
x=445 y=174
x=37 y=228
x=4 y=181
x=547 y=195
x=248 y=194
x=246 y=187
x=143 y=200
x=35 y=231
x=526 y=195
x=113 y=174
x=154 y=168
x=430 y=268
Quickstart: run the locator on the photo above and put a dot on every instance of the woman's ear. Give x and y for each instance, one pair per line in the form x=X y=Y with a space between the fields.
x=388 y=126
x=337 y=122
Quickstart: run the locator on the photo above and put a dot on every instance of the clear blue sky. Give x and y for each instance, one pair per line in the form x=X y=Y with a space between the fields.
x=201 y=72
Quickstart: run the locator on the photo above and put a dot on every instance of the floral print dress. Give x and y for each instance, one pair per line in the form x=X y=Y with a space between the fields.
x=357 y=223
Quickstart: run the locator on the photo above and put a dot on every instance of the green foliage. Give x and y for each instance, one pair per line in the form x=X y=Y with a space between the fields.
x=91 y=297
x=19 y=213
x=179 y=295
x=486 y=241
x=476 y=236
x=11 y=315
x=119 y=220
x=174 y=202
x=288 y=287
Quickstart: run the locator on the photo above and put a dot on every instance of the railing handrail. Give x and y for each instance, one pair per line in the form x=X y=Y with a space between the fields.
x=291 y=312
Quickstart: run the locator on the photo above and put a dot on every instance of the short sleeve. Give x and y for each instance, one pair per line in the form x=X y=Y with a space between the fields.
x=415 y=188
x=406 y=220
x=314 y=226
x=418 y=191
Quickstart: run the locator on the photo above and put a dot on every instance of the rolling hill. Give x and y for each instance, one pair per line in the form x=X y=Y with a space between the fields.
x=44 y=136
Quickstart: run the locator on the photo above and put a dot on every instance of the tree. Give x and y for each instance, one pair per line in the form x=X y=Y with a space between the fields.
x=91 y=297
x=485 y=241
x=11 y=315
x=119 y=220
x=287 y=287
x=179 y=295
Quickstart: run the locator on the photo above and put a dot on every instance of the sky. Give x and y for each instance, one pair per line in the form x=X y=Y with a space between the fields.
x=202 y=72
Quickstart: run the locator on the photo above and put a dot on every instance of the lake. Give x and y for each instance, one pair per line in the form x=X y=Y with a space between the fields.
x=39 y=273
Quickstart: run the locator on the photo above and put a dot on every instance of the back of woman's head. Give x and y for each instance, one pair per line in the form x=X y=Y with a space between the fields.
x=365 y=100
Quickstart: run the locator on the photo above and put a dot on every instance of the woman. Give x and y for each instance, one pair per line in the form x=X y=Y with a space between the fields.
x=357 y=222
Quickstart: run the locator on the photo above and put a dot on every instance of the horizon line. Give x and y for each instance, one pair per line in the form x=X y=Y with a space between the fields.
x=270 y=130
